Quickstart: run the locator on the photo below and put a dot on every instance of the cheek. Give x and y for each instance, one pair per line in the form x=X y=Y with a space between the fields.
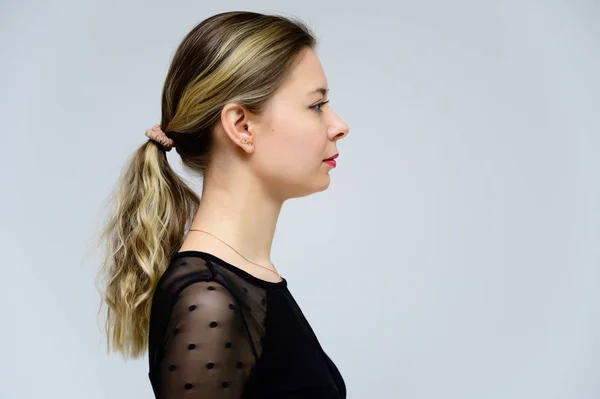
x=302 y=147
x=292 y=153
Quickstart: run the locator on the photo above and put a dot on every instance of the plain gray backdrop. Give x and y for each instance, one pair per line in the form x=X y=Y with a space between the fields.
x=455 y=253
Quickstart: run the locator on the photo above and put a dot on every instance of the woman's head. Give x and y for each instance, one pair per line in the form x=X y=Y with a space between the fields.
x=240 y=77
x=237 y=77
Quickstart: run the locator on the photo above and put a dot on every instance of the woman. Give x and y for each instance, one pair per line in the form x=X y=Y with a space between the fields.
x=244 y=104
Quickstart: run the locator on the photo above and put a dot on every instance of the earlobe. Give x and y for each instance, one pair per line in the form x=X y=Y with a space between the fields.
x=231 y=117
x=247 y=142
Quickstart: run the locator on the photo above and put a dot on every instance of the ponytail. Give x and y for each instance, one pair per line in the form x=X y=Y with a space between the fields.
x=151 y=206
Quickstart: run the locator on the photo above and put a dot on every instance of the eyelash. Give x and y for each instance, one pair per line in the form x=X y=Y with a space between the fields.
x=319 y=104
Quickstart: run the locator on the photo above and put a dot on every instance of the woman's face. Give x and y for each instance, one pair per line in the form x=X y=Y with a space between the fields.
x=296 y=133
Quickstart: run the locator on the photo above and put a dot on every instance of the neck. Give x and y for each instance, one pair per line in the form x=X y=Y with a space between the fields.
x=239 y=213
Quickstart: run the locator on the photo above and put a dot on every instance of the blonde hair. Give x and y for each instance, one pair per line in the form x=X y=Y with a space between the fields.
x=235 y=56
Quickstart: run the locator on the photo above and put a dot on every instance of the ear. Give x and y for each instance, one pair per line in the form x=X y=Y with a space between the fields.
x=235 y=119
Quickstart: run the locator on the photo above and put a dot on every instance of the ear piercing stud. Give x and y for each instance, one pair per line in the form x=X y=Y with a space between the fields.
x=244 y=141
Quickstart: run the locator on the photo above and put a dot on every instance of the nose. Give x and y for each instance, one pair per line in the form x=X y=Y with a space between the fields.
x=339 y=129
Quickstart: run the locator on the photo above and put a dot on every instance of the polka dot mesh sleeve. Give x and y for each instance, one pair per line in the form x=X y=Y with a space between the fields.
x=208 y=352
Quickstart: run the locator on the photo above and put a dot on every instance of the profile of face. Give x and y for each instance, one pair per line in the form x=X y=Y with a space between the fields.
x=296 y=132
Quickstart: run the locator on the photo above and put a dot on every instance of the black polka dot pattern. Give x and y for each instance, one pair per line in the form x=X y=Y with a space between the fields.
x=210 y=351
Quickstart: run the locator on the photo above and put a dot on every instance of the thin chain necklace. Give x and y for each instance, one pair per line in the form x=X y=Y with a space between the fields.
x=271 y=270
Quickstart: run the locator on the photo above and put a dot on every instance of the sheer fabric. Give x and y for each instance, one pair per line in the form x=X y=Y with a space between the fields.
x=218 y=332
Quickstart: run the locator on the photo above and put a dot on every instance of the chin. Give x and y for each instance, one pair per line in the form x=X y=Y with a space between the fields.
x=321 y=184
x=324 y=183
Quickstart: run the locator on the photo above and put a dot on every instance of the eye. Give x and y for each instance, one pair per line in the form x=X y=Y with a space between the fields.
x=319 y=105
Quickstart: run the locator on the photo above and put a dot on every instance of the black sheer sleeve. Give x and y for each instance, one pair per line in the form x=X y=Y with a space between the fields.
x=208 y=352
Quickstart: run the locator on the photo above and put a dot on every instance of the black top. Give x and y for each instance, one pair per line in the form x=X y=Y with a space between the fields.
x=219 y=332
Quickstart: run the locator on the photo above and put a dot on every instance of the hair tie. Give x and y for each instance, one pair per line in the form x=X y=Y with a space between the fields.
x=156 y=134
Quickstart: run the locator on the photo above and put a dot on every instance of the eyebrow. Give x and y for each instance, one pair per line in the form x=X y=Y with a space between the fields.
x=321 y=90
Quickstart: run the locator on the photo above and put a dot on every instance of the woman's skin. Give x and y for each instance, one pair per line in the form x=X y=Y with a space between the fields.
x=244 y=191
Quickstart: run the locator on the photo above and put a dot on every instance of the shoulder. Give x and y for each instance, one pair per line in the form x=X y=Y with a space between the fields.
x=207 y=303
x=185 y=270
x=197 y=279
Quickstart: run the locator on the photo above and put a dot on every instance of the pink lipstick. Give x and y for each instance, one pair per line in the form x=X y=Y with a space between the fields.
x=331 y=160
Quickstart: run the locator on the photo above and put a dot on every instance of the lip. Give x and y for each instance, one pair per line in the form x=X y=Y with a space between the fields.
x=332 y=158
x=330 y=162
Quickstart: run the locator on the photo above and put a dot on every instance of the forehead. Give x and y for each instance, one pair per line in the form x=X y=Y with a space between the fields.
x=307 y=75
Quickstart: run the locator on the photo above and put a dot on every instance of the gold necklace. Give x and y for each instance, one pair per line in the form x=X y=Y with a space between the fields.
x=274 y=271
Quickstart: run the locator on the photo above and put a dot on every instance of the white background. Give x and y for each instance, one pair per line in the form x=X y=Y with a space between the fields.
x=456 y=253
